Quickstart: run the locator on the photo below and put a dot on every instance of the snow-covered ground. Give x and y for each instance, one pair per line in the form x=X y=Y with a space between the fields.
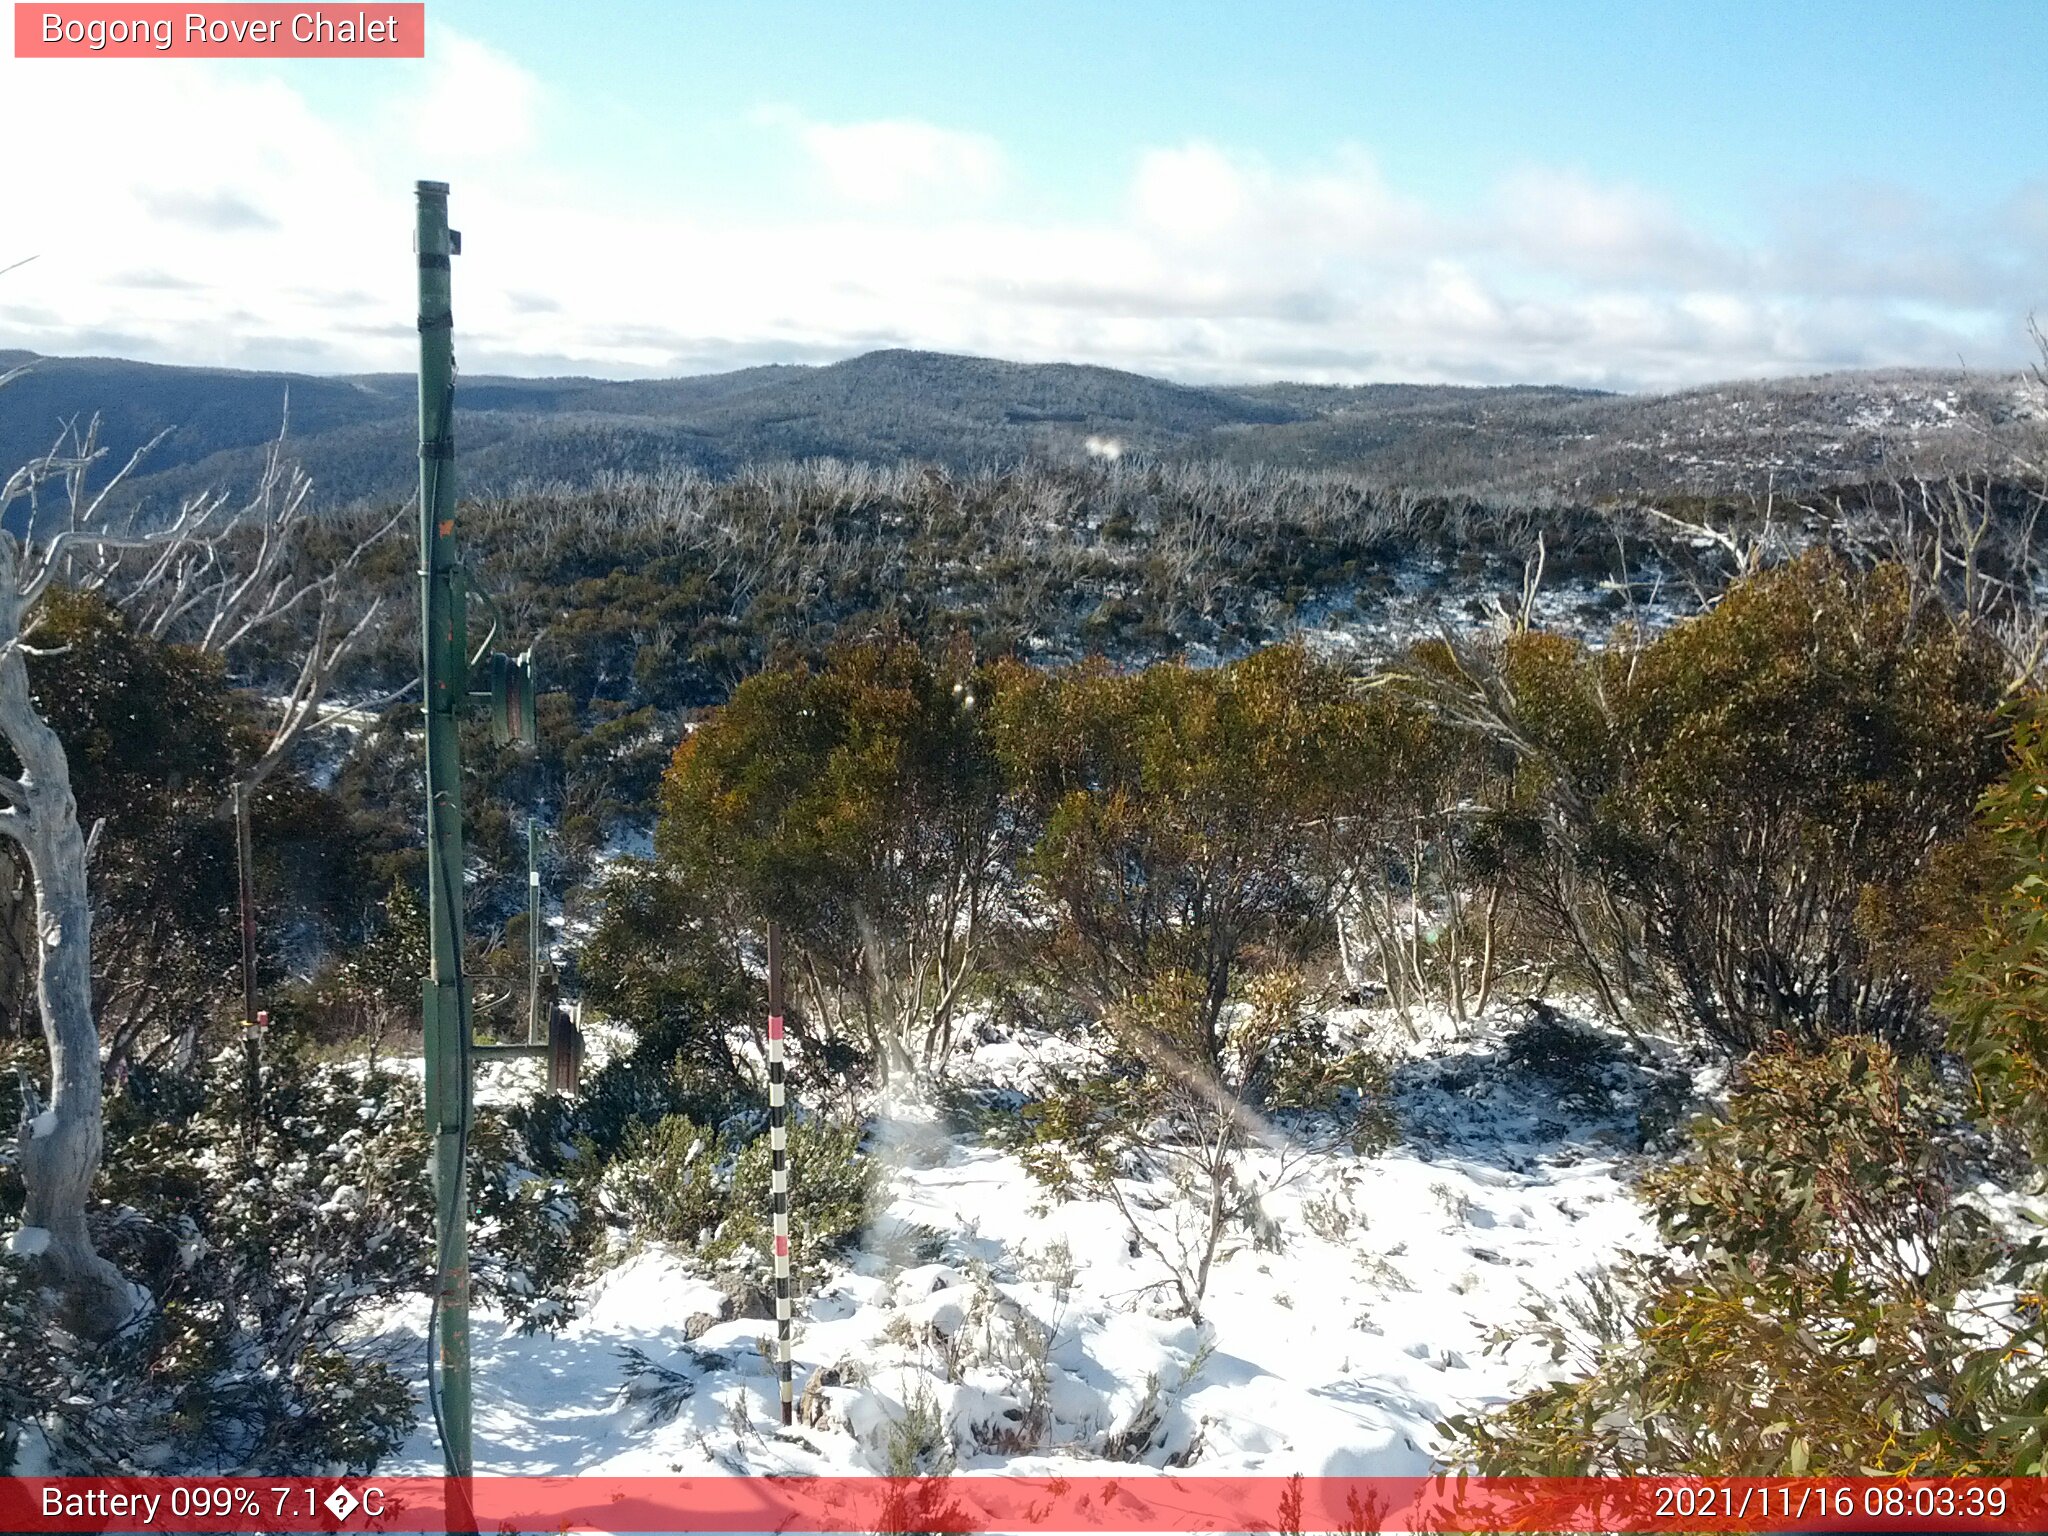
x=1030 y=1329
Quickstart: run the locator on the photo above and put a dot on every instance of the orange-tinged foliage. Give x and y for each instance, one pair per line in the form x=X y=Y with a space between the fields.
x=1997 y=997
x=858 y=804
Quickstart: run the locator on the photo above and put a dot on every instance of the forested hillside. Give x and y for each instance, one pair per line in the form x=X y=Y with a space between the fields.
x=968 y=414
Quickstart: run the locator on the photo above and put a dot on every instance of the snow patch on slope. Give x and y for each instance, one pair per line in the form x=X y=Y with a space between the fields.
x=1038 y=1340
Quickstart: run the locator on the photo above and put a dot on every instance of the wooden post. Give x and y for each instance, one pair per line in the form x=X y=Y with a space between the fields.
x=252 y=1045
x=778 y=1177
x=533 y=1034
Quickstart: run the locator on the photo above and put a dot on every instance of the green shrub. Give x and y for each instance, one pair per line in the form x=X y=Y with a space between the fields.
x=672 y=1181
x=350 y=1413
x=1811 y=1314
x=531 y=1233
x=834 y=1190
x=1182 y=812
x=259 y=1249
x=1814 y=736
x=660 y=961
x=709 y=1190
x=1997 y=996
x=861 y=803
x=1741 y=811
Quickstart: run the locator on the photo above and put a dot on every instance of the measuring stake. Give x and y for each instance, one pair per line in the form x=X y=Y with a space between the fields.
x=778 y=1177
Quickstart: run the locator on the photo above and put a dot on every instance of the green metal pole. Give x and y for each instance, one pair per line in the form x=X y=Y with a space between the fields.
x=533 y=930
x=445 y=673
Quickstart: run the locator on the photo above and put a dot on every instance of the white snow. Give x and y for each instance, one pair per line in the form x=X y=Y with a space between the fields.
x=44 y=1124
x=1334 y=1353
x=27 y=1242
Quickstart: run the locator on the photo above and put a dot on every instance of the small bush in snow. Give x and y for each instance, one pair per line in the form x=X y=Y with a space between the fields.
x=667 y=1181
x=1329 y=1218
x=708 y=1190
x=660 y=1391
x=834 y=1190
x=919 y=1444
x=1149 y=1427
x=1173 y=1094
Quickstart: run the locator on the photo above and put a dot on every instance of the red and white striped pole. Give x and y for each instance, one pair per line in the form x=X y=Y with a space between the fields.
x=778 y=1176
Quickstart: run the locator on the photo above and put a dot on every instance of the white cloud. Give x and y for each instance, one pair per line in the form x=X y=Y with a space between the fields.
x=1198 y=194
x=1194 y=192
x=1565 y=220
x=225 y=184
x=474 y=101
x=207 y=212
x=895 y=162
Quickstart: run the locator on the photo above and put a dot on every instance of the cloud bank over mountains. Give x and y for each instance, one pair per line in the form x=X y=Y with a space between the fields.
x=214 y=213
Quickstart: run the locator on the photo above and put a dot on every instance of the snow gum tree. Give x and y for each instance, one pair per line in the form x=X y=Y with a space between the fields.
x=1750 y=794
x=216 y=559
x=860 y=805
x=61 y=1143
x=1187 y=814
x=60 y=1150
x=1189 y=860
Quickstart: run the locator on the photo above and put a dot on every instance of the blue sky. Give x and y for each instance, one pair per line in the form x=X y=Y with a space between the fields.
x=1710 y=103
x=1632 y=195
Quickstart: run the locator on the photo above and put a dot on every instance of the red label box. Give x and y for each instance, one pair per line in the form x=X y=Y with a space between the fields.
x=241 y=31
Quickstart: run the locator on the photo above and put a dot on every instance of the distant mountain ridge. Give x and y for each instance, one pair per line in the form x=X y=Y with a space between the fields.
x=355 y=433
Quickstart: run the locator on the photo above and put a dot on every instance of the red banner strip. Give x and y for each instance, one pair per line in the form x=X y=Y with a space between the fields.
x=1141 y=1503
x=241 y=31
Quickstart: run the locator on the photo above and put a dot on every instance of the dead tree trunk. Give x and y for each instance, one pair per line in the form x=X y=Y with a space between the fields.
x=60 y=1146
x=61 y=1142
